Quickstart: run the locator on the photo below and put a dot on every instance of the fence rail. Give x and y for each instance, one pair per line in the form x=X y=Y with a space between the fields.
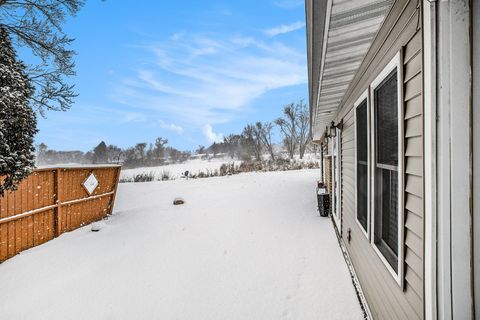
x=52 y=201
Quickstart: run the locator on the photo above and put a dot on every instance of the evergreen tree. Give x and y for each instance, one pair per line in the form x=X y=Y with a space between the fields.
x=100 y=153
x=17 y=119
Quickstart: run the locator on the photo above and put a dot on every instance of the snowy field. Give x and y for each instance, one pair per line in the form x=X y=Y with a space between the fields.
x=177 y=169
x=250 y=246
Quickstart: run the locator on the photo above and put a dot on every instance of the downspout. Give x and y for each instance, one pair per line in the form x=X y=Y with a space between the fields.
x=430 y=150
x=321 y=163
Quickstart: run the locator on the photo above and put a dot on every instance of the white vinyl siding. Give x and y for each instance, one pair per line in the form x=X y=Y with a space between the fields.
x=387 y=300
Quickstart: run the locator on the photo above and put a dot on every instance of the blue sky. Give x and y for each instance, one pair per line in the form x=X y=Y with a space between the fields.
x=189 y=71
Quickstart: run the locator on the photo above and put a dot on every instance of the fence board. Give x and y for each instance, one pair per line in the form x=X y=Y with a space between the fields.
x=52 y=201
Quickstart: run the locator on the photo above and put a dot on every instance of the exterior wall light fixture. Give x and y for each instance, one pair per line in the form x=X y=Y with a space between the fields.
x=333 y=127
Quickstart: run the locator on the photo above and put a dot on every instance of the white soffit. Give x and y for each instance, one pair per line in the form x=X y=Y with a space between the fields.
x=352 y=26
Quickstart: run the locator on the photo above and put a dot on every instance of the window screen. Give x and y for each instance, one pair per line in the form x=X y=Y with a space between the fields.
x=386 y=169
x=362 y=164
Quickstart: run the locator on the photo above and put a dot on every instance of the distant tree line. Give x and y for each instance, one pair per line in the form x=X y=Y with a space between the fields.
x=257 y=139
x=140 y=155
x=252 y=143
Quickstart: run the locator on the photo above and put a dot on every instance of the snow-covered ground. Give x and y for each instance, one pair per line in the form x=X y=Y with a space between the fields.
x=249 y=246
x=195 y=166
x=176 y=170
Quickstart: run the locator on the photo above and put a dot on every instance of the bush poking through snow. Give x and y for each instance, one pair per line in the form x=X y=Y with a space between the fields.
x=178 y=201
x=228 y=169
x=165 y=176
x=144 y=177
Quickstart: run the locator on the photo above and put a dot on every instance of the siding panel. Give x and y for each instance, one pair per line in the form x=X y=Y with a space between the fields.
x=414 y=223
x=414 y=204
x=413 y=87
x=413 y=47
x=414 y=147
x=413 y=107
x=414 y=166
x=414 y=127
x=414 y=243
x=386 y=299
x=413 y=67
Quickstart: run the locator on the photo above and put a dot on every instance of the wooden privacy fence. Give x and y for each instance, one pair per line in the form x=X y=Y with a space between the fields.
x=52 y=201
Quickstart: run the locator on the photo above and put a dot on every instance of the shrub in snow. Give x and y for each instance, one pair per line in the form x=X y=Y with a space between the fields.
x=178 y=201
x=144 y=177
x=228 y=169
x=17 y=119
x=165 y=176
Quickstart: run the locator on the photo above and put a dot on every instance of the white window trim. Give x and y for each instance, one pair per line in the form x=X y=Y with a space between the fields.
x=337 y=206
x=395 y=63
x=363 y=97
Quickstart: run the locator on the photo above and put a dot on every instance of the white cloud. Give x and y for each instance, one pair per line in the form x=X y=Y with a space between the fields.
x=129 y=117
x=170 y=126
x=285 y=28
x=195 y=79
x=210 y=135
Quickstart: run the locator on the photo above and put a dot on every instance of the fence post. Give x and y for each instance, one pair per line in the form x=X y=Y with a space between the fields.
x=115 y=186
x=58 y=201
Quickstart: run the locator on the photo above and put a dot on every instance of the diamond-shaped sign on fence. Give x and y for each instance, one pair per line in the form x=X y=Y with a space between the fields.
x=90 y=184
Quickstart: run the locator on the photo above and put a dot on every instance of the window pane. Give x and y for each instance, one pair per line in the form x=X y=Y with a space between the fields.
x=386 y=214
x=386 y=110
x=386 y=169
x=362 y=164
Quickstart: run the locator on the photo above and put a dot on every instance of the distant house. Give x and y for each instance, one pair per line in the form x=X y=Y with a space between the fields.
x=395 y=104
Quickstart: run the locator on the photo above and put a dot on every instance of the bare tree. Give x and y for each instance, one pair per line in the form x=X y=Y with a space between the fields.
x=140 y=151
x=159 y=149
x=252 y=142
x=303 y=122
x=232 y=144
x=37 y=24
x=288 y=127
x=266 y=136
x=114 y=153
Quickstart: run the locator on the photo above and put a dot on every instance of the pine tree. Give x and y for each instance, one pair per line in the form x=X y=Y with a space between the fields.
x=17 y=120
x=100 y=153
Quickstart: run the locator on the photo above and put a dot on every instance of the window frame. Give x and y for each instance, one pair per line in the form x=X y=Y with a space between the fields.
x=395 y=63
x=365 y=96
x=337 y=163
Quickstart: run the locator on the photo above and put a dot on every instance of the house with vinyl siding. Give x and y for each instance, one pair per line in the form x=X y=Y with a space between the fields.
x=394 y=93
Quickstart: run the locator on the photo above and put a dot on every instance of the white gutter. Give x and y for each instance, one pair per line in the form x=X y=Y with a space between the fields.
x=324 y=52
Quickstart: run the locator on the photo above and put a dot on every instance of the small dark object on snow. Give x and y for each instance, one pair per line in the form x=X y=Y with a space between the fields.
x=323 y=200
x=97 y=226
x=178 y=201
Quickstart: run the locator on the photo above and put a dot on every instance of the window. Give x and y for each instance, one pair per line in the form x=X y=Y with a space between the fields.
x=336 y=174
x=361 y=162
x=387 y=167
